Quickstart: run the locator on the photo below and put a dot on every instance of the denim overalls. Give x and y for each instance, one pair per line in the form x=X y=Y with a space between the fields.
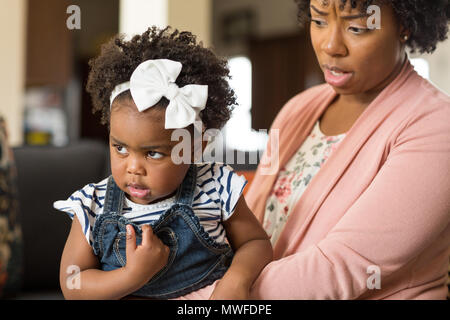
x=195 y=259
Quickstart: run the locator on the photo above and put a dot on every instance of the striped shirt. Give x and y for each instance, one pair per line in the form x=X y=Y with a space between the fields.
x=216 y=193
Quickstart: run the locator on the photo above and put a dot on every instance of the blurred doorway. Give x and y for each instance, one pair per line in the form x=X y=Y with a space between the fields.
x=283 y=66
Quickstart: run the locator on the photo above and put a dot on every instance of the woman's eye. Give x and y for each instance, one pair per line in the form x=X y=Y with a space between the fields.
x=357 y=30
x=120 y=149
x=319 y=23
x=154 y=155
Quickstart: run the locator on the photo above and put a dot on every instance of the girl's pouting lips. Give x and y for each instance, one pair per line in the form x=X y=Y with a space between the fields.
x=138 y=191
x=336 y=76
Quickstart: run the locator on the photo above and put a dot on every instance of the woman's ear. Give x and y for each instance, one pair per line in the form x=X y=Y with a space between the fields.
x=405 y=34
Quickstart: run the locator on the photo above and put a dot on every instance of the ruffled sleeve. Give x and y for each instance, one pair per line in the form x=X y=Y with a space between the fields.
x=222 y=185
x=85 y=204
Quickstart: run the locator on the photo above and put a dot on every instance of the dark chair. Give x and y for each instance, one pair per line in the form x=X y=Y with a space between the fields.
x=47 y=174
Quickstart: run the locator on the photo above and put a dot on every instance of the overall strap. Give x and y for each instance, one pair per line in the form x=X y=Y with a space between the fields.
x=113 y=198
x=186 y=190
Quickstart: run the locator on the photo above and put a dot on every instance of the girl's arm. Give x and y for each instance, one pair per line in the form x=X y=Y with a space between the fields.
x=253 y=252
x=92 y=283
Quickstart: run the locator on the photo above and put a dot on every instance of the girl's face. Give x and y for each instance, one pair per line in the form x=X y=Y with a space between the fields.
x=354 y=58
x=140 y=149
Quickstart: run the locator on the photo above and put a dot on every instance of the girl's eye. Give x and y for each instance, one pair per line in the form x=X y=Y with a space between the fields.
x=154 y=155
x=120 y=149
x=319 y=23
x=357 y=30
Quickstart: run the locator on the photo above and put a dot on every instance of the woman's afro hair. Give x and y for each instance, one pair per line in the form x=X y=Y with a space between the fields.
x=426 y=20
x=119 y=58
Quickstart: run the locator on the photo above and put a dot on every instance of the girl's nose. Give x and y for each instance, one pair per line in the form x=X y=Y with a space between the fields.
x=334 y=44
x=135 y=166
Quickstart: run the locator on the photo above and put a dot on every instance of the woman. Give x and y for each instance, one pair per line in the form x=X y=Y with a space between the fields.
x=373 y=222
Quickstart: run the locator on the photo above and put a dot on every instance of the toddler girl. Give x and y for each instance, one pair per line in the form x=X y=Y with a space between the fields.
x=158 y=228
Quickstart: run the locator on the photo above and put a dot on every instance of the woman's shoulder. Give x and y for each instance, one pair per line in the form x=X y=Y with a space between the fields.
x=435 y=96
x=424 y=106
x=418 y=95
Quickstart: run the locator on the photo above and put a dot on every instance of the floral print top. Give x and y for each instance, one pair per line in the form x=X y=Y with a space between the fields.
x=294 y=177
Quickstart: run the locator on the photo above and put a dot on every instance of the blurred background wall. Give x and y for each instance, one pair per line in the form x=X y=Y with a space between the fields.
x=12 y=65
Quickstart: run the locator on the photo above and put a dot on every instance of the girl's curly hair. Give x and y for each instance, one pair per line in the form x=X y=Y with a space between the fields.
x=119 y=58
x=426 y=20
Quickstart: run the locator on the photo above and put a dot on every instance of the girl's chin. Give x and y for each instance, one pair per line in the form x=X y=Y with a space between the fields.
x=143 y=201
x=150 y=199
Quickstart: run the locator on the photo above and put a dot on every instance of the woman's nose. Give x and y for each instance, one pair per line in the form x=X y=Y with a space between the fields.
x=135 y=165
x=333 y=43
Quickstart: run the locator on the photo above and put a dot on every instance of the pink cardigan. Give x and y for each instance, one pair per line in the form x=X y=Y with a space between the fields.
x=382 y=200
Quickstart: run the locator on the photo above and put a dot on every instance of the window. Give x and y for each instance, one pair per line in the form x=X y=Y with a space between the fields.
x=422 y=67
x=238 y=130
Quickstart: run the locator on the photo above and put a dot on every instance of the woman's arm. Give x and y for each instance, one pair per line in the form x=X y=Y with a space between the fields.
x=253 y=252
x=93 y=283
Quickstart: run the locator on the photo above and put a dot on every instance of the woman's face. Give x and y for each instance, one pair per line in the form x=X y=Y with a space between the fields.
x=355 y=59
x=140 y=149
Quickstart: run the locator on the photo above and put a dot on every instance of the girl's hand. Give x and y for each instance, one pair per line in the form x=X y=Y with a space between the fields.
x=145 y=260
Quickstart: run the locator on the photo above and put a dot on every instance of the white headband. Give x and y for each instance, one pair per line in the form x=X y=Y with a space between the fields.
x=154 y=79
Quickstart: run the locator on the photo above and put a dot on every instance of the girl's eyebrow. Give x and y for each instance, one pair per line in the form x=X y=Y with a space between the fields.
x=355 y=16
x=322 y=13
x=142 y=147
x=118 y=142
x=155 y=147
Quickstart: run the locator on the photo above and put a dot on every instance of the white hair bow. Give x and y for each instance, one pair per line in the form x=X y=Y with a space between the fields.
x=154 y=79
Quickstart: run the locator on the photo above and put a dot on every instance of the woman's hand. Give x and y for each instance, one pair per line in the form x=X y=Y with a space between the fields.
x=146 y=259
x=227 y=289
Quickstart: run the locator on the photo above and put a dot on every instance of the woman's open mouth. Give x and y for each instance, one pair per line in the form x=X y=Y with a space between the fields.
x=336 y=76
x=138 y=191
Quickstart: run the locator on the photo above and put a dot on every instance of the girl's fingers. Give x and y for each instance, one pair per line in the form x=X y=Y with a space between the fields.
x=131 y=239
x=147 y=235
